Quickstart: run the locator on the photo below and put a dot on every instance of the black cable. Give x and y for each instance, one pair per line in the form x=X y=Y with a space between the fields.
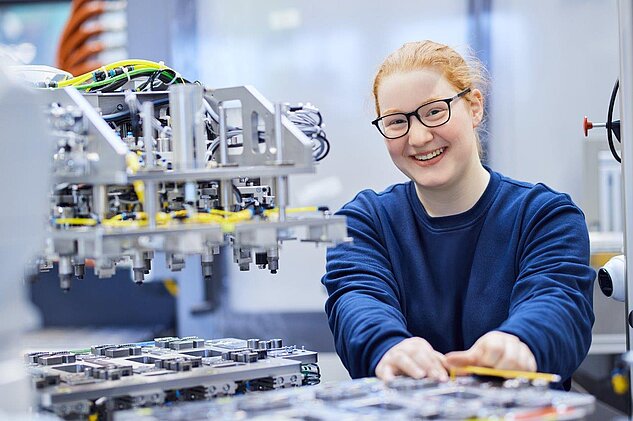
x=165 y=79
x=610 y=121
x=125 y=114
x=237 y=193
x=118 y=83
x=112 y=86
x=173 y=78
x=149 y=81
x=326 y=147
x=309 y=120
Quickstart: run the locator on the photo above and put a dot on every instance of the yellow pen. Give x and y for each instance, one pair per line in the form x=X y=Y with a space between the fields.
x=506 y=374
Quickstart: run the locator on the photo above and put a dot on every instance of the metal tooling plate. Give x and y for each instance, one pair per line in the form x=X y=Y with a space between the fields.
x=270 y=367
x=303 y=356
x=370 y=399
x=89 y=233
x=220 y=173
x=287 y=352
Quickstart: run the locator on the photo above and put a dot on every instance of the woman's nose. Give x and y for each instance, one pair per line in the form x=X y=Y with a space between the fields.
x=419 y=134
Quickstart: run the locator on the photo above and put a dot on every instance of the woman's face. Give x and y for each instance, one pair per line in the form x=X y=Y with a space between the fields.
x=438 y=157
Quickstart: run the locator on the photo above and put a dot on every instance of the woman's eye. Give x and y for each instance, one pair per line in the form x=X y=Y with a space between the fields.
x=395 y=121
x=435 y=112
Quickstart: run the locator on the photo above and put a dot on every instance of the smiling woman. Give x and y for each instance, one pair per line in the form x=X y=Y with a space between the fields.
x=461 y=265
x=444 y=155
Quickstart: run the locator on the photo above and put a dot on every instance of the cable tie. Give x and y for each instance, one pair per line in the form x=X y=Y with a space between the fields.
x=126 y=72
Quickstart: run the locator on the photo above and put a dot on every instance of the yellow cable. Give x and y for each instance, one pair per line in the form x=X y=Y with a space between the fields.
x=225 y=219
x=138 y=64
x=76 y=221
x=179 y=213
x=88 y=77
x=118 y=223
x=221 y=217
x=131 y=159
x=222 y=212
x=242 y=215
x=162 y=218
x=204 y=218
x=269 y=212
x=506 y=374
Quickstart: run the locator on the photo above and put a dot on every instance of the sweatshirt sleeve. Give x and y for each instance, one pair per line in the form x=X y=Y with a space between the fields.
x=551 y=303
x=363 y=307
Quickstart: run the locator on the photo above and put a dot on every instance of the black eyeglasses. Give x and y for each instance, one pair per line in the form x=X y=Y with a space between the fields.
x=431 y=114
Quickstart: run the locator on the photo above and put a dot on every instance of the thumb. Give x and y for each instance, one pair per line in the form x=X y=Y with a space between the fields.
x=462 y=358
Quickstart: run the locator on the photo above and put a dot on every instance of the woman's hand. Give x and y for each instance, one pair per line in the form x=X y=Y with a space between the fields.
x=497 y=350
x=412 y=357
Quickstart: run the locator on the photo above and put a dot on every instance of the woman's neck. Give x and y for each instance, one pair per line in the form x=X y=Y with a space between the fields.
x=457 y=198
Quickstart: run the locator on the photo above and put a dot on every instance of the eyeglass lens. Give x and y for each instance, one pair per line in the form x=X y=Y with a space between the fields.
x=432 y=115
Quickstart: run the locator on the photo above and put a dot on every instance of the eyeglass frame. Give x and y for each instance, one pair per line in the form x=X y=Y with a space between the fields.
x=408 y=116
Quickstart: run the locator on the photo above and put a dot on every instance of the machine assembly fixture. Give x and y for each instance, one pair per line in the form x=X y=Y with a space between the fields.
x=145 y=161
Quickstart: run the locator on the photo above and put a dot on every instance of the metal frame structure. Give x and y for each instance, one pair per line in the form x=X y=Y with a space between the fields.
x=270 y=149
x=625 y=9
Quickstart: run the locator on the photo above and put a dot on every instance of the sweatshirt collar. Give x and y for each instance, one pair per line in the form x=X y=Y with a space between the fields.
x=460 y=220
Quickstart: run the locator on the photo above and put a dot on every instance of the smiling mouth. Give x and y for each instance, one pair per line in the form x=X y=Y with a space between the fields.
x=429 y=155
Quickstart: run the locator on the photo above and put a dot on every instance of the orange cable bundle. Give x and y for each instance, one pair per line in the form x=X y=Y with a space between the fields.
x=85 y=55
x=77 y=49
x=76 y=40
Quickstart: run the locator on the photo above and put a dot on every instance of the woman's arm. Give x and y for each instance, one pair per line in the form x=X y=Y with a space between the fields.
x=363 y=307
x=551 y=303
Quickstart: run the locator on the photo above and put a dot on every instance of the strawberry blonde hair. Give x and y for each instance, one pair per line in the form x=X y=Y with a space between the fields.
x=461 y=73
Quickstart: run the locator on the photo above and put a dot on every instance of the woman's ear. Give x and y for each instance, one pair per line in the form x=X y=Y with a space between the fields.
x=476 y=107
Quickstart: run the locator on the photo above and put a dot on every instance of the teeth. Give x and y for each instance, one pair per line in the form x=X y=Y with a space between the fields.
x=429 y=155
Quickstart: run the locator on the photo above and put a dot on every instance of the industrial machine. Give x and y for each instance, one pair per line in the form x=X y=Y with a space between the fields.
x=145 y=161
x=100 y=380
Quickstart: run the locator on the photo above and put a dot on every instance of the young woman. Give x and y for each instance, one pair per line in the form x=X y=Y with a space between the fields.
x=461 y=265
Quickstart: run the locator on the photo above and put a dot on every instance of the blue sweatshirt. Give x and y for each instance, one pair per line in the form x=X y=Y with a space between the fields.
x=516 y=262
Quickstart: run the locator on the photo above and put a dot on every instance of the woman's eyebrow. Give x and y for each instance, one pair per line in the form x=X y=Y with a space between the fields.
x=397 y=110
x=431 y=99
x=392 y=111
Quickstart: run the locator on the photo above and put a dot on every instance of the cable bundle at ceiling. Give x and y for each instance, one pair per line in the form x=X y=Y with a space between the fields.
x=94 y=34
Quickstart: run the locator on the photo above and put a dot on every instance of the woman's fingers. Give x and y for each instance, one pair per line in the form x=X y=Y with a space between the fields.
x=413 y=357
x=498 y=350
